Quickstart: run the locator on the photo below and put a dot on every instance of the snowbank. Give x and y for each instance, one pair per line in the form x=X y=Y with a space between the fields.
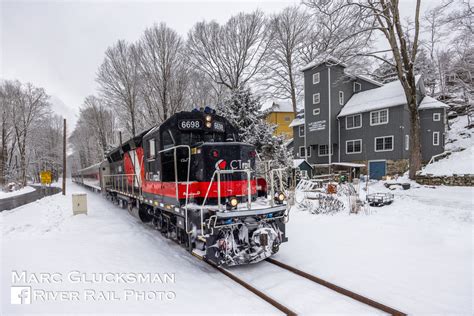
x=461 y=162
x=460 y=141
x=27 y=189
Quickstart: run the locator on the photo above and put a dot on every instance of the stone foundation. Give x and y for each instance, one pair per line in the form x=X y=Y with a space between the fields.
x=454 y=180
x=397 y=167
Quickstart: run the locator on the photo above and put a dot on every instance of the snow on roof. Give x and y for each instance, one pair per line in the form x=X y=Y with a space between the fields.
x=297 y=122
x=365 y=78
x=278 y=106
x=319 y=61
x=348 y=164
x=388 y=95
x=431 y=103
x=298 y=162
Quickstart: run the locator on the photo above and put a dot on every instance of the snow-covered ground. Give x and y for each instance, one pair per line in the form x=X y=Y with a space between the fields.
x=414 y=255
x=460 y=141
x=27 y=189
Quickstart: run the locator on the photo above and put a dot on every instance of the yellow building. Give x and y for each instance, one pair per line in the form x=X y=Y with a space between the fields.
x=281 y=114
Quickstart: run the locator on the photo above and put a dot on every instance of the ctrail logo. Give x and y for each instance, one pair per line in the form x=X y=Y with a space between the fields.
x=20 y=295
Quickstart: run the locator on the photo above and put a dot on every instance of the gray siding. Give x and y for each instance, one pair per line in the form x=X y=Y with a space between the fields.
x=428 y=126
x=394 y=127
x=297 y=142
x=339 y=82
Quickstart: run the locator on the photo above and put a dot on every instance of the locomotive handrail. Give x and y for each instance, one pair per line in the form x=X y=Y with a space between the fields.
x=176 y=177
x=218 y=172
x=272 y=188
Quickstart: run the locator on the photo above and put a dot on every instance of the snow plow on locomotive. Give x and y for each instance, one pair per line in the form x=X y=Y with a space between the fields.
x=193 y=180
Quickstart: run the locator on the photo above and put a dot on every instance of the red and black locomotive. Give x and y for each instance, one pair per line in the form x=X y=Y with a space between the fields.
x=197 y=183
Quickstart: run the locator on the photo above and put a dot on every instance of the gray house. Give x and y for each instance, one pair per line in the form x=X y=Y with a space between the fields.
x=352 y=118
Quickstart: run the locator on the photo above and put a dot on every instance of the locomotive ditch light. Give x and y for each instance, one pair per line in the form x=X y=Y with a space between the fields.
x=208 y=118
x=208 y=124
x=280 y=197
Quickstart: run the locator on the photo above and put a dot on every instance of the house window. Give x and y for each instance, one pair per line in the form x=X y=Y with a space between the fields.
x=301 y=130
x=357 y=87
x=379 y=117
x=316 y=111
x=354 y=146
x=316 y=78
x=435 y=138
x=302 y=152
x=287 y=118
x=436 y=117
x=384 y=143
x=151 y=146
x=354 y=121
x=316 y=98
x=341 y=97
x=323 y=150
x=407 y=142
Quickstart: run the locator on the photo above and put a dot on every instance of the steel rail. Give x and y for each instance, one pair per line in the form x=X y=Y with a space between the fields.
x=338 y=289
x=252 y=289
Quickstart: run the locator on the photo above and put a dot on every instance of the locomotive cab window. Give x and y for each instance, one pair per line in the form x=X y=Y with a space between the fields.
x=151 y=148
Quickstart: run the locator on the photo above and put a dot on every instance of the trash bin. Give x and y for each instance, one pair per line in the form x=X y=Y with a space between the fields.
x=79 y=203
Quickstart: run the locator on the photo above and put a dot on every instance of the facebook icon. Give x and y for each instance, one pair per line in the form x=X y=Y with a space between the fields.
x=21 y=295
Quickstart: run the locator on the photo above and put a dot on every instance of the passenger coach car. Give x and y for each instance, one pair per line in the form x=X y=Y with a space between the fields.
x=196 y=182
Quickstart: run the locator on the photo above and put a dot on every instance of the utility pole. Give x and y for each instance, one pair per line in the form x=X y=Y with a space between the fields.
x=64 y=158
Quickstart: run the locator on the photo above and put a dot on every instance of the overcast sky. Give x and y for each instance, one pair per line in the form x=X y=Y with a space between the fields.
x=59 y=45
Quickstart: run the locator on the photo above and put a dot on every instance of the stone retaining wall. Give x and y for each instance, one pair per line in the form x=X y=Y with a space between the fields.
x=454 y=180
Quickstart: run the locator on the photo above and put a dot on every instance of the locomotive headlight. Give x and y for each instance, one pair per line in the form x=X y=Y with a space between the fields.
x=280 y=197
x=232 y=203
x=208 y=118
x=208 y=124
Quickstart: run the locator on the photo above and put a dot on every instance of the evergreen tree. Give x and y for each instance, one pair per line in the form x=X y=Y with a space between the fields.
x=242 y=109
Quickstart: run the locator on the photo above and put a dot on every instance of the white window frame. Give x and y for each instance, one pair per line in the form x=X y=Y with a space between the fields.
x=354 y=87
x=436 y=117
x=318 y=95
x=354 y=127
x=307 y=152
x=353 y=141
x=383 y=137
x=378 y=114
x=325 y=155
x=341 y=97
x=407 y=142
x=316 y=78
x=316 y=111
x=152 y=151
x=301 y=127
x=437 y=139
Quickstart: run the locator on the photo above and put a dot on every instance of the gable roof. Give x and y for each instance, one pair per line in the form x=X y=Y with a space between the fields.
x=319 y=61
x=431 y=103
x=388 y=95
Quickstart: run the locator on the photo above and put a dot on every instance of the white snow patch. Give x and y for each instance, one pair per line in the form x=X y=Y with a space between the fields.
x=27 y=189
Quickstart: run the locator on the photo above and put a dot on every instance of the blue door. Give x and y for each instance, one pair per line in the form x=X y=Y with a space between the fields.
x=377 y=169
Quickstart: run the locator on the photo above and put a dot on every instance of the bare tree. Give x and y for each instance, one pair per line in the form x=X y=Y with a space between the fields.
x=100 y=120
x=9 y=92
x=231 y=54
x=164 y=72
x=31 y=105
x=119 y=81
x=289 y=29
x=384 y=16
x=337 y=30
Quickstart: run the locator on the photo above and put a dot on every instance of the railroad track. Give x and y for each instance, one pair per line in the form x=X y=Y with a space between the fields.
x=288 y=311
